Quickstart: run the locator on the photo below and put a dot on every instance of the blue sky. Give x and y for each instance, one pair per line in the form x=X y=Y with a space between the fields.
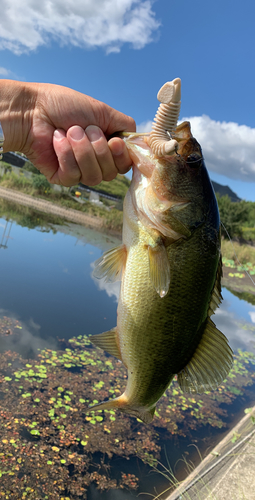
x=123 y=51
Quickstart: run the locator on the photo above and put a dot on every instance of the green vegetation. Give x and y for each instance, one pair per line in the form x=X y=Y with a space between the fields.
x=39 y=187
x=50 y=440
x=117 y=187
x=233 y=251
x=41 y=184
x=17 y=182
x=28 y=217
x=237 y=217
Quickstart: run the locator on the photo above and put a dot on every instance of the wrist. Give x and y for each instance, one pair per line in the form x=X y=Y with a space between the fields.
x=17 y=103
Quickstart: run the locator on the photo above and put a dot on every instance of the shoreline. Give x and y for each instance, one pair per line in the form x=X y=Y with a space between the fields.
x=94 y=222
x=48 y=207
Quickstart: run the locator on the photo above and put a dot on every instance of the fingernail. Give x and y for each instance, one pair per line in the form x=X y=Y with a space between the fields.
x=77 y=133
x=59 y=134
x=116 y=146
x=94 y=133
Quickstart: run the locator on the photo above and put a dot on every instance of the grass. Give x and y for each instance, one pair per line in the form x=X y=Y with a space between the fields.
x=236 y=251
x=18 y=183
x=112 y=219
x=117 y=186
x=198 y=488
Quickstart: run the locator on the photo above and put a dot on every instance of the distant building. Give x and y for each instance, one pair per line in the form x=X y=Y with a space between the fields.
x=15 y=159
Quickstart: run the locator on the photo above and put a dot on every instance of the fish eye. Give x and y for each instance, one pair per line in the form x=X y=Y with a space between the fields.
x=194 y=160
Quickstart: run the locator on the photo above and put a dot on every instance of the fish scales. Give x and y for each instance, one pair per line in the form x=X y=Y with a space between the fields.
x=155 y=333
x=170 y=285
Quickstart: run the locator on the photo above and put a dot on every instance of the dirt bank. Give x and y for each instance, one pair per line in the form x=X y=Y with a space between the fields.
x=51 y=208
x=244 y=284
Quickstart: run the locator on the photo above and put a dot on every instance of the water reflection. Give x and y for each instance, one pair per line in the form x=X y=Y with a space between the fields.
x=47 y=280
x=47 y=294
x=26 y=339
x=234 y=319
x=111 y=289
x=6 y=234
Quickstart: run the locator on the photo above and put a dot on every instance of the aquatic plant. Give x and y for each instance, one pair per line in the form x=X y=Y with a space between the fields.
x=51 y=444
x=242 y=269
x=9 y=326
x=244 y=253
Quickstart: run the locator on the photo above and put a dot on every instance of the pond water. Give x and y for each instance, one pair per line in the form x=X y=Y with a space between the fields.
x=49 y=446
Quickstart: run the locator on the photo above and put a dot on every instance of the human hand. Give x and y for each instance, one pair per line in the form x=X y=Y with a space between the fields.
x=63 y=132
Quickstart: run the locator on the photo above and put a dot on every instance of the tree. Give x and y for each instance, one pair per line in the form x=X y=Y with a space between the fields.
x=233 y=215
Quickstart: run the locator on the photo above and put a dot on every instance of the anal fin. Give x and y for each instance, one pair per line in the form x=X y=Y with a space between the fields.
x=110 y=264
x=108 y=342
x=121 y=403
x=209 y=365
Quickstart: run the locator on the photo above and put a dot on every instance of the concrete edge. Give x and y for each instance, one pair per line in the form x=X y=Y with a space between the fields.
x=216 y=455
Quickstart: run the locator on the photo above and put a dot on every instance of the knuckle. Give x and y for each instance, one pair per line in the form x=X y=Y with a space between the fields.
x=109 y=176
x=92 y=179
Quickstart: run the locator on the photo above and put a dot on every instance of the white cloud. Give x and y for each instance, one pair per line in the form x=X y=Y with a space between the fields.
x=144 y=126
x=239 y=332
x=228 y=148
x=252 y=315
x=24 y=26
x=112 y=289
x=4 y=72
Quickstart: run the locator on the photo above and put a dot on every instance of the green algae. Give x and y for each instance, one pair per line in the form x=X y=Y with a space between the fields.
x=47 y=416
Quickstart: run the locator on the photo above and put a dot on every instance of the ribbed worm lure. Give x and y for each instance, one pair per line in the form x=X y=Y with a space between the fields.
x=166 y=118
x=165 y=122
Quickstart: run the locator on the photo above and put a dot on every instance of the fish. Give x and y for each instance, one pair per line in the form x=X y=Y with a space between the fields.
x=170 y=267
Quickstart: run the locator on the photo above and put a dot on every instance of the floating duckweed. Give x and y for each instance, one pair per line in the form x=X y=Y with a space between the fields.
x=35 y=432
x=63 y=434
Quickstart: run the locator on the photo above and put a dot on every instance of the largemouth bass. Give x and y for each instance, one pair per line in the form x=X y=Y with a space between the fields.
x=170 y=261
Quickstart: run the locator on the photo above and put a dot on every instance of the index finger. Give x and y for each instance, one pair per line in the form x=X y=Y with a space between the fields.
x=117 y=122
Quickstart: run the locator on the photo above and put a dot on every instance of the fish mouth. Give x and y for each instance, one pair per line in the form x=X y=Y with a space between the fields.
x=138 y=144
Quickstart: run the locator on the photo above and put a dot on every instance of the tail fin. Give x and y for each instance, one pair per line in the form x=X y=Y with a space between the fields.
x=121 y=403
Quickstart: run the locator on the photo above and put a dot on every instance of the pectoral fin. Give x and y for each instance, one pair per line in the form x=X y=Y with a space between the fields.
x=110 y=265
x=108 y=341
x=159 y=268
x=175 y=224
x=210 y=363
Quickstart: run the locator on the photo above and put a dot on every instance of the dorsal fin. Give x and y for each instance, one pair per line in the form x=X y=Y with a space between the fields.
x=110 y=264
x=210 y=364
x=216 y=297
